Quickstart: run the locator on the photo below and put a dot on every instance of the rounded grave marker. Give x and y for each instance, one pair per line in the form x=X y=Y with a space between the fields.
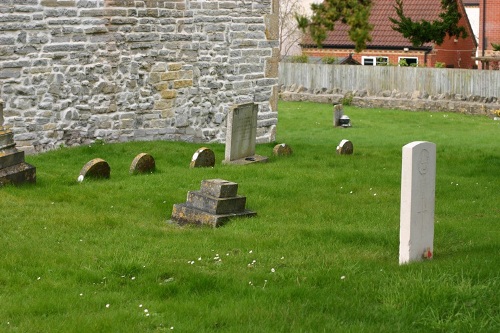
x=142 y=163
x=96 y=168
x=203 y=157
x=282 y=150
x=345 y=147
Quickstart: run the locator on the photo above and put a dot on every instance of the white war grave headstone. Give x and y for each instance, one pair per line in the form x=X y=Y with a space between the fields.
x=418 y=183
x=241 y=135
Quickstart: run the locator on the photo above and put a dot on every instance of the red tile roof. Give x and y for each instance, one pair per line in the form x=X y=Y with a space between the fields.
x=382 y=34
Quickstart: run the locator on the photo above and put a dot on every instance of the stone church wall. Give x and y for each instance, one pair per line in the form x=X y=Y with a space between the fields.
x=76 y=71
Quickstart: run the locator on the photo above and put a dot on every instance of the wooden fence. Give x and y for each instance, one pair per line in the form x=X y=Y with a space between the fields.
x=375 y=79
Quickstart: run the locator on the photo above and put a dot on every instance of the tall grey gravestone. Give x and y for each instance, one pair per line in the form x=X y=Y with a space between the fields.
x=418 y=179
x=241 y=135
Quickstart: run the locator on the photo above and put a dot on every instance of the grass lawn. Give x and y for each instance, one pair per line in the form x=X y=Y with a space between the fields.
x=321 y=255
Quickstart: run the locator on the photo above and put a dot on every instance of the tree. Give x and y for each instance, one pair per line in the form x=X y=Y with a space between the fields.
x=290 y=34
x=354 y=13
x=423 y=31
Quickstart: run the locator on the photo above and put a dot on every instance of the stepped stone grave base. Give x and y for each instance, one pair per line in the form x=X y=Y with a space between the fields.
x=17 y=174
x=215 y=203
x=13 y=169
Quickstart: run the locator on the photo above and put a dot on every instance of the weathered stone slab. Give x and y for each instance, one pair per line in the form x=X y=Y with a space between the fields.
x=184 y=214
x=345 y=147
x=1 y=114
x=6 y=140
x=338 y=112
x=241 y=135
x=282 y=150
x=142 y=163
x=96 y=168
x=18 y=174
x=418 y=178
x=219 y=188
x=11 y=158
x=203 y=157
x=214 y=205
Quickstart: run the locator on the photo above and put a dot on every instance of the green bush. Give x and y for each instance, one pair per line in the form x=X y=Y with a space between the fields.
x=328 y=60
x=300 y=59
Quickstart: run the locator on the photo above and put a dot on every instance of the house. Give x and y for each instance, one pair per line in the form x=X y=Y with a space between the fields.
x=489 y=33
x=390 y=47
x=290 y=34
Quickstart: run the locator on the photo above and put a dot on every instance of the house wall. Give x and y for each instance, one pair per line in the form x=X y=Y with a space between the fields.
x=458 y=53
x=73 y=71
x=392 y=55
x=489 y=30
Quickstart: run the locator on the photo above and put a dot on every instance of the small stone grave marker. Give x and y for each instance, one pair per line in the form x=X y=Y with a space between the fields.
x=142 y=163
x=241 y=135
x=203 y=157
x=338 y=112
x=96 y=168
x=345 y=147
x=215 y=203
x=282 y=150
x=418 y=178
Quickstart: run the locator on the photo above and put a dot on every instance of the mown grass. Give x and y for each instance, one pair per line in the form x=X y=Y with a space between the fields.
x=321 y=256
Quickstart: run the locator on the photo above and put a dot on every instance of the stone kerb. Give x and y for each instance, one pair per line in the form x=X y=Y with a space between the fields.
x=416 y=101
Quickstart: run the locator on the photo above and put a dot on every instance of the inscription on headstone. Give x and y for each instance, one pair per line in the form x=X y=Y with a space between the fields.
x=418 y=178
x=241 y=135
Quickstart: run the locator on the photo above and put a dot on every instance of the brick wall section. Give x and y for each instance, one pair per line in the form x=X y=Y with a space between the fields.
x=73 y=71
x=489 y=11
